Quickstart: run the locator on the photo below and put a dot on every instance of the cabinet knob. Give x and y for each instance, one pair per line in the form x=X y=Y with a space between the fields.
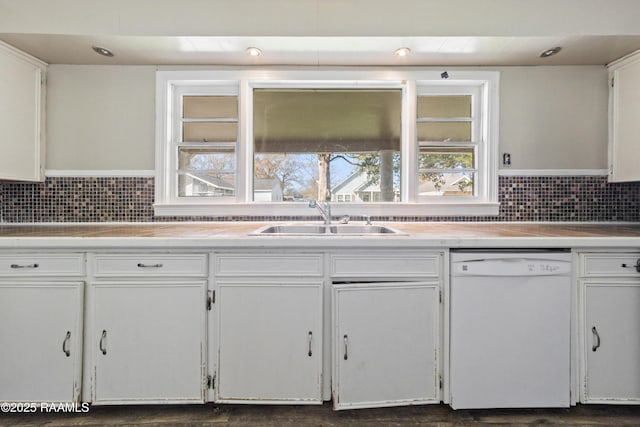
x=596 y=338
x=141 y=265
x=636 y=266
x=103 y=342
x=65 y=344
x=24 y=266
x=346 y=347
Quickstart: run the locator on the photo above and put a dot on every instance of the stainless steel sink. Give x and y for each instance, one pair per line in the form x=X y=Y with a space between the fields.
x=362 y=229
x=293 y=230
x=325 y=230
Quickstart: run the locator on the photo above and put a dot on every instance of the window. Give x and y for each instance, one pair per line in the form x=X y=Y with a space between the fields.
x=258 y=142
x=449 y=137
x=326 y=143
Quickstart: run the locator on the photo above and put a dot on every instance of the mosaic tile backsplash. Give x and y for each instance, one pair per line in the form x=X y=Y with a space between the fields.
x=130 y=199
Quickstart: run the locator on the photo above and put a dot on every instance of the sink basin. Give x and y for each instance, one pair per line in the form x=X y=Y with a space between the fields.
x=325 y=230
x=361 y=229
x=293 y=230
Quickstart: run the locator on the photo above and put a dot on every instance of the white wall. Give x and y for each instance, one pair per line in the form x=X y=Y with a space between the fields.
x=102 y=117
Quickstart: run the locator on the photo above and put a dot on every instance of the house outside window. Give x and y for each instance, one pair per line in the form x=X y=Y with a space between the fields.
x=379 y=142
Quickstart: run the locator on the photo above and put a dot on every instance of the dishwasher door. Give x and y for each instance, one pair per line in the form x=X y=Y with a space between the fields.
x=510 y=330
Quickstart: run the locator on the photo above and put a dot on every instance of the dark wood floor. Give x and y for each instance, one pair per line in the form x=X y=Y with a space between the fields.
x=290 y=416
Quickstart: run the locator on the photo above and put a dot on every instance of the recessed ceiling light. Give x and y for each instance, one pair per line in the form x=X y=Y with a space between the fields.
x=102 y=51
x=550 y=52
x=403 y=51
x=253 y=51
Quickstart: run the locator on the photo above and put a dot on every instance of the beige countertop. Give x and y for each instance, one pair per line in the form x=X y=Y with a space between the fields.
x=242 y=229
x=237 y=235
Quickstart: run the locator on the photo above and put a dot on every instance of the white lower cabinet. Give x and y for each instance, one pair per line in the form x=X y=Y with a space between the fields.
x=269 y=327
x=610 y=293
x=270 y=338
x=149 y=342
x=385 y=342
x=385 y=327
x=148 y=332
x=40 y=341
x=41 y=308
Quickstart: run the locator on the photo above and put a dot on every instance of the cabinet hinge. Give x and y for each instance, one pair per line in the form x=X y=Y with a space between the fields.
x=211 y=299
x=440 y=381
x=612 y=80
x=440 y=296
x=211 y=381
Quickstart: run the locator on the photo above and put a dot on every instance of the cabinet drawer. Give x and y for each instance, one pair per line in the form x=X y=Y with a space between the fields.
x=268 y=265
x=29 y=265
x=150 y=265
x=611 y=264
x=386 y=265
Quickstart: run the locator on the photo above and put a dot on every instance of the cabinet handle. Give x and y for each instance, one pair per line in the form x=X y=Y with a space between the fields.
x=25 y=265
x=636 y=266
x=65 y=343
x=141 y=265
x=310 y=353
x=103 y=341
x=346 y=347
x=596 y=337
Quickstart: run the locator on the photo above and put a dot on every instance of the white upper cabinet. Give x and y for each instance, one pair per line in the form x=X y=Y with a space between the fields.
x=22 y=133
x=624 y=126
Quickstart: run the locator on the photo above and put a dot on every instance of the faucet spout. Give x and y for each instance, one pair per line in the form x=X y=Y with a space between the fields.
x=324 y=208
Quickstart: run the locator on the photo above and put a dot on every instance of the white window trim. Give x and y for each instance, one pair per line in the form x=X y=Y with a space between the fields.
x=166 y=204
x=478 y=133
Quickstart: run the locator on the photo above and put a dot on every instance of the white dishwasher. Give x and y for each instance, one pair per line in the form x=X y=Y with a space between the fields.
x=510 y=329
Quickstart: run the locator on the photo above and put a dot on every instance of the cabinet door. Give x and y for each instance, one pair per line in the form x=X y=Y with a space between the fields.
x=40 y=341
x=385 y=344
x=612 y=341
x=148 y=342
x=624 y=126
x=270 y=342
x=22 y=112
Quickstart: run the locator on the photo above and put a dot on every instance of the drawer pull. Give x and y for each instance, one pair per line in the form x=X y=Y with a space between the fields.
x=103 y=342
x=310 y=353
x=65 y=343
x=25 y=265
x=141 y=265
x=636 y=266
x=346 y=347
x=596 y=337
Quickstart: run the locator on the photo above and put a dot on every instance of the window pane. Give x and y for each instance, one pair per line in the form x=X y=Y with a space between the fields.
x=444 y=131
x=209 y=132
x=355 y=177
x=446 y=184
x=209 y=107
x=444 y=106
x=206 y=158
x=446 y=158
x=202 y=184
x=322 y=144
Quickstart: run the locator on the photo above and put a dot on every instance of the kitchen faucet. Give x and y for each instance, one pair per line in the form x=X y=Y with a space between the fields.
x=324 y=208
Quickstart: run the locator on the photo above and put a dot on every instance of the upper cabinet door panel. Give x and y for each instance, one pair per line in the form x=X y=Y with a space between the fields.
x=624 y=126
x=22 y=110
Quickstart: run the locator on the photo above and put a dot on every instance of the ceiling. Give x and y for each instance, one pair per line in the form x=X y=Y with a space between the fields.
x=323 y=32
x=318 y=51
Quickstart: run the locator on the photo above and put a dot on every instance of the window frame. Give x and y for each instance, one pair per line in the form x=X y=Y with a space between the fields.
x=215 y=88
x=246 y=79
x=478 y=134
